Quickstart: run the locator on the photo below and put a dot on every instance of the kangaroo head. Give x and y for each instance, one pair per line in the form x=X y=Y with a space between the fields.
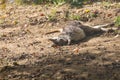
x=59 y=40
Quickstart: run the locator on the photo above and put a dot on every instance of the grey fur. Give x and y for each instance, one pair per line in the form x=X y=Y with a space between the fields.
x=75 y=31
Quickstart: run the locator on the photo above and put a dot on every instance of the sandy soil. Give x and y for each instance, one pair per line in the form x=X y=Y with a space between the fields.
x=25 y=52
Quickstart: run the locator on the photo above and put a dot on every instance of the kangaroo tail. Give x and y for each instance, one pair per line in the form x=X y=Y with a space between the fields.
x=104 y=25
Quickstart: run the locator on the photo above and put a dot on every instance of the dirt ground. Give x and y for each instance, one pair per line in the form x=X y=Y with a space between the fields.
x=26 y=52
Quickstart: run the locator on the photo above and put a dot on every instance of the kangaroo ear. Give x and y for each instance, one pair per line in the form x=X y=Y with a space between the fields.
x=53 y=39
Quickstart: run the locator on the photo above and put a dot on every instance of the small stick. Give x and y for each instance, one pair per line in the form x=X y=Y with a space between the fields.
x=55 y=31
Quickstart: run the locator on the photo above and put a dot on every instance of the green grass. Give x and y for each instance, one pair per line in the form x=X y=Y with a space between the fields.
x=117 y=21
x=58 y=2
x=55 y=2
x=52 y=15
x=75 y=17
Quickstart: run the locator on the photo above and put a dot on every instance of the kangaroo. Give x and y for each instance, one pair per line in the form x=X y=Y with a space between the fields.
x=76 y=31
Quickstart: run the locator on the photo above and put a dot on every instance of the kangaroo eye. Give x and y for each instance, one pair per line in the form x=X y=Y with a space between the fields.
x=61 y=39
x=79 y=22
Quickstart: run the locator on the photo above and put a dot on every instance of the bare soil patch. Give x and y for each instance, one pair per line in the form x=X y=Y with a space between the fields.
x=25 y=52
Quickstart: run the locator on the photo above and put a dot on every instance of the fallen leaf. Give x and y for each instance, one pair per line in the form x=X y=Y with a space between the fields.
x=14 y=22
x=42 y=14
x=76 y=50
x=96 y=12
x=109 y=15
x=87 y=10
